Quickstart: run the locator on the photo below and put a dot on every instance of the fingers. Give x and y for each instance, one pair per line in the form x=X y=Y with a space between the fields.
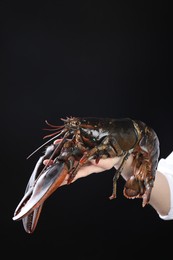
x=57 y=141
x=107 y=164
x=93 y=167
x=85 y=171
x=48 y=162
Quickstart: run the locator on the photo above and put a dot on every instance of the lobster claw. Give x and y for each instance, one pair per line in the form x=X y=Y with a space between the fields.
x=46 y=184
x=39 y=188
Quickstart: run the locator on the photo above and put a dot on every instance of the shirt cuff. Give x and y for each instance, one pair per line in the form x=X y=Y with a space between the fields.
x=165 y=166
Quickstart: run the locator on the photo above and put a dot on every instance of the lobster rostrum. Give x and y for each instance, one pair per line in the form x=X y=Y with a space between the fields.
x=85 y=139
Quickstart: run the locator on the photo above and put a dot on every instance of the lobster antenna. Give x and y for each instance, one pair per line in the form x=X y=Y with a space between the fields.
x=63 y=131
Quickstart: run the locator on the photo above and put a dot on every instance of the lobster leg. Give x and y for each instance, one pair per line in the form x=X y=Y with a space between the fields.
x=117 y=174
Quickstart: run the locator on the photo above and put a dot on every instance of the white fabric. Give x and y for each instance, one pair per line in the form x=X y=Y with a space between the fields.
x=165 y=166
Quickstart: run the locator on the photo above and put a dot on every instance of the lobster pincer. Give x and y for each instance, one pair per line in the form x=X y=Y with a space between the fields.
x=42 y=183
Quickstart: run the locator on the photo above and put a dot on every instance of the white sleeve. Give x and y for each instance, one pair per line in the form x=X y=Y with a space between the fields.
x=165 y=166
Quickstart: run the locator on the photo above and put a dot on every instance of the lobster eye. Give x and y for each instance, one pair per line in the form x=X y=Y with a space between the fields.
x=74 y=123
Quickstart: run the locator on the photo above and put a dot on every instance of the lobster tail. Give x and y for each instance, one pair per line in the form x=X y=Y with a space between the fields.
x=145 y=162
x=133 y=188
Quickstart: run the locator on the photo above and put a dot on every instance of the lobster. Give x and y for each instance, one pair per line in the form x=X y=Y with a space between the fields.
x=83 y=140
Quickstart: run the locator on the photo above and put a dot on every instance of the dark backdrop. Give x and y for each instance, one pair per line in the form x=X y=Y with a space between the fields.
x=82 y=58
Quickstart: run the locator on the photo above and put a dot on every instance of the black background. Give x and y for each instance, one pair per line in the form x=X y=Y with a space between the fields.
x=82 y=58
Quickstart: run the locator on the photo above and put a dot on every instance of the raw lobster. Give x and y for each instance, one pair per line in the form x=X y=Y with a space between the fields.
x=85 y=139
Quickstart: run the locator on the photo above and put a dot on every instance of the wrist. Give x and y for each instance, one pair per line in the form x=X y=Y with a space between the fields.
x=127 y=171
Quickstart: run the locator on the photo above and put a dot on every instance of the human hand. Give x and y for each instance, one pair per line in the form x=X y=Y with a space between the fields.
x=101 y=166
